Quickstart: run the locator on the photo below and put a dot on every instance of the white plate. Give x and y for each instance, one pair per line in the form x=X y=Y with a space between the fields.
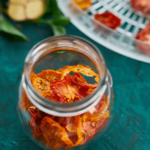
x=121 y=40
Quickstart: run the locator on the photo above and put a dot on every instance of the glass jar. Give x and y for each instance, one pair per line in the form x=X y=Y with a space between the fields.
x=58 y=125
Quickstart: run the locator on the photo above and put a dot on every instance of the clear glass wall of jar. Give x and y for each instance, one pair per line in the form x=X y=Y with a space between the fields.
x=64 y=125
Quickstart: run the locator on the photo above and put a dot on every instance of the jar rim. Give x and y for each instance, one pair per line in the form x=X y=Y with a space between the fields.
x=69 y=107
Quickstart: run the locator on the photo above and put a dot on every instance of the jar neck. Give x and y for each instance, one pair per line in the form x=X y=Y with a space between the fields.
x=69 y=43
x=64 y=110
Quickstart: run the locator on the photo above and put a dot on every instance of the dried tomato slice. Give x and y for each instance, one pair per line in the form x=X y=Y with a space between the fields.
x=63 y=91
x=75 y=130
x=40 y=85
x=54 y=134
x=78 y=79
x=108 y=19
x=77 y=123
x=68 y=92
x=93 y=119
x=49 y=75
x=71 y=131
x=92 y=122
x=83 y=69
x=35 y=128
x=25 y=102
x=83 y=4
x=144 y=35
x=141 y=5
x=99 y=116
x=102 y=111
x=61 y=120
x=91 y=128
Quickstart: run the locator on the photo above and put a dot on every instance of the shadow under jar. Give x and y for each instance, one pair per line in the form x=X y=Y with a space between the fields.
x=65 y=93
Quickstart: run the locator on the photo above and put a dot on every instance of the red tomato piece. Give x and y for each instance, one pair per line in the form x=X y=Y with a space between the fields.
x=35 y=128
x=141 y=5
x=64 y=91
x=108 y=19
x=60 y=120
x=144 y=35
x=71 y=133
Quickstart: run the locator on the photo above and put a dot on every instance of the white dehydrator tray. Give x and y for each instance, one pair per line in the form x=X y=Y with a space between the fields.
x=121 y=40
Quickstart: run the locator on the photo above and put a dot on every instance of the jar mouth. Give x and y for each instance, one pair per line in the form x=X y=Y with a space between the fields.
x=56 y=107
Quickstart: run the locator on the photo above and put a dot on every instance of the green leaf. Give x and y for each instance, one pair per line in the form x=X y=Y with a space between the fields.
x=58 y=22
x=61 y=21
x=48 y=6
x=55 y=9
x=44 y=21
x=10 y=32
x=58 y=30
x=52 y=7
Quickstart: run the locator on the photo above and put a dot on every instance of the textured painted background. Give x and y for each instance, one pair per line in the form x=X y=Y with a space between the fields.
x=130 y=129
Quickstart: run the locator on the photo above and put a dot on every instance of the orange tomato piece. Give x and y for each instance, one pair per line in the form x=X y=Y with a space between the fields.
x=54 y=134
x=83 y=69
x=83 y=4
x=25 y=102
x=77 y=122
x=49 y=75
x=75 y=127
x=99 y=116
x=40 y=85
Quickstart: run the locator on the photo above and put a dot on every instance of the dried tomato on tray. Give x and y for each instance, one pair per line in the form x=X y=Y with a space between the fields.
x=144 y=36
x=63 y=87
x=141 y=5
x=83 y=4
x=108 y=19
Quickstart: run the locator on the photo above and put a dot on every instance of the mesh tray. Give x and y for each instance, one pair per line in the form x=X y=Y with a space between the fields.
x=121 y=40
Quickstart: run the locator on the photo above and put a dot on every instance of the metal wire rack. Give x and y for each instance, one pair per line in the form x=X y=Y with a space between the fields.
x=121 y=40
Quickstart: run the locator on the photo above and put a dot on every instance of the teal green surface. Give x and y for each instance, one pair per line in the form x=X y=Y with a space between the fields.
x=130 y=129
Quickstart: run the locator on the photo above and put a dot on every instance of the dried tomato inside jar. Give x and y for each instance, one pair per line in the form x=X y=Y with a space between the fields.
x=62 y=101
